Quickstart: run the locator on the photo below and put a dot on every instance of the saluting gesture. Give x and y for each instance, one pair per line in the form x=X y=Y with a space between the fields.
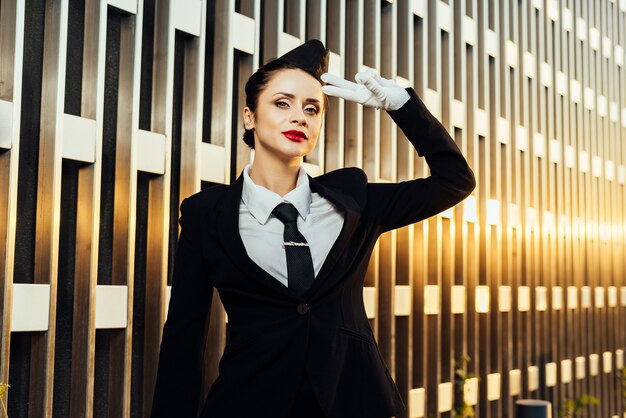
x=370 y=90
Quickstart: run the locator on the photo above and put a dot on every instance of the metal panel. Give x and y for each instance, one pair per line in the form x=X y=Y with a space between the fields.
x=6 y=124
x=526 y=277
x=31 y=307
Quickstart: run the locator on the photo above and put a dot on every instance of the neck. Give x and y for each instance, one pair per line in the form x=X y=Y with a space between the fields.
x=279 y=177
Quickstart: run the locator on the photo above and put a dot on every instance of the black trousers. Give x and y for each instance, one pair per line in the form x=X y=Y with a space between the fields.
x=306 y=406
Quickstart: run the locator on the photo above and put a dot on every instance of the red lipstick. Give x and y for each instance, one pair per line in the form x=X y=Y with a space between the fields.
x=293 y=135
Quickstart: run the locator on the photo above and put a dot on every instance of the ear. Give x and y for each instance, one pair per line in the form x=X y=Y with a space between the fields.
x=248 y=118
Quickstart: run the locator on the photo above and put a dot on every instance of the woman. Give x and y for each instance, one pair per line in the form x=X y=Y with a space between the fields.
x=288 y=254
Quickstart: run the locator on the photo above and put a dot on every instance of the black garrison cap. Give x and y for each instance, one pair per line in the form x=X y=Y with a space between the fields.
x=312 y=56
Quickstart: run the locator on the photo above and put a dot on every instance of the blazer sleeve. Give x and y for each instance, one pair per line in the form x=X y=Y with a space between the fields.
x=451 y=180
x=179 y=372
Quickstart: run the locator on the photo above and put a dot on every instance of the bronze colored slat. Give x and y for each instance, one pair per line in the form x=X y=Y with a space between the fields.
x=525 y=335
x=447 y=330
x=48 y=203
x=600 y=212
x=370 y=133
x=216 y=328
x=221 y=84
x=418 y=322
x=385 y=318
x=386 y=66
x=10 y=32
x=507 y=97
x=335 y=116
x=418 y=325
x=158 y=196
x=293 y=11
x=315 y=16
x=353 y=148
x=385 y=161
x=273 y=21
x=494 y=237
x=472 y=56
x=513 y=197
x=547 y=195
x=558 y=208
x=402 y=342
x=618 y=190
x=11 y=40
x=88 y=211
x=610 y=219
x=83 y=329
x=191 y=128
x=578 y=200
x=445 y=250
x=483 y=191
x=156 y=279
x=568 y=332
x=8 y=170
x=459 y=237
x=125 y=204
x=432 y=246
x=534 y=189
x=313 y=25
x=245 y=70
x=586 y=346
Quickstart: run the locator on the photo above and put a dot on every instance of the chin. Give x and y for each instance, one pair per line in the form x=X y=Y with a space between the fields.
x=301 y=148
x=290 y=154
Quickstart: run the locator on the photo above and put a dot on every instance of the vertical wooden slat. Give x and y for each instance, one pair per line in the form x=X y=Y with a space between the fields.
x=446 y=251
x=418 y=379
x=158 y=195
x=558 y=223
x=11 y=59
x=221 y=84
x=48 y=201
x=335 y=116
x=88 y=210
x=125 y=202
x=353 y=148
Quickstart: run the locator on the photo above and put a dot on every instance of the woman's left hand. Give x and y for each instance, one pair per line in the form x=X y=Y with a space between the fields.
x=371 y=90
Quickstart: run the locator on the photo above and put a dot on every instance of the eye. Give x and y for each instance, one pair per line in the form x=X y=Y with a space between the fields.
x=312 y=110
x=282 y=103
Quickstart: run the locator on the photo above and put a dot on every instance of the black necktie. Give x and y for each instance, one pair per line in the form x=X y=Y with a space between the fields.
x=300 y=271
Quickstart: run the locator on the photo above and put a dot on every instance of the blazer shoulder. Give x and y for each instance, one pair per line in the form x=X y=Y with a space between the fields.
x=342 y=176
x=349 y=180
x=203 y=200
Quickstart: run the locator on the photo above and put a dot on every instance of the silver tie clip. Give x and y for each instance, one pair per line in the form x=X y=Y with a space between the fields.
x=296 y=244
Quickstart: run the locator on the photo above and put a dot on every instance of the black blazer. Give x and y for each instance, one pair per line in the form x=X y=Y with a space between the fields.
x=276 y=335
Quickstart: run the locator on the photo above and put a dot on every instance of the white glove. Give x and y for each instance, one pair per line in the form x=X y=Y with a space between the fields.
x=371 y=90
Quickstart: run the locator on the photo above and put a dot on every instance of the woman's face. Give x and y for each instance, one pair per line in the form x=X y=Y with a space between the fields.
x=289 y=115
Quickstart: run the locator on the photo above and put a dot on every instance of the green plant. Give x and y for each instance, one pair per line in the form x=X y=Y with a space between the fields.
x=570 y=408
x=461 y=408
x=3 y=388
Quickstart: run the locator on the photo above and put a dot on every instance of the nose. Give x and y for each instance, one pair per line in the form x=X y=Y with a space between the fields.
x=298 y=116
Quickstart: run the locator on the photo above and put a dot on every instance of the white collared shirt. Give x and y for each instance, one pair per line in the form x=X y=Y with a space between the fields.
x=319 y=221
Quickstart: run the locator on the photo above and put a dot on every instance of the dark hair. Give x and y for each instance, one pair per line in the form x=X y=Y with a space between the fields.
x=256 y=84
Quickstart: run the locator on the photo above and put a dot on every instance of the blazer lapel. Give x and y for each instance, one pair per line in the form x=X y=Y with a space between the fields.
x=227 y=224
x=228 y=232
x=352 y=215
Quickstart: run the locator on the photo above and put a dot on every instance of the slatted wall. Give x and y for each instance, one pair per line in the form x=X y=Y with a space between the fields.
x=111 y=113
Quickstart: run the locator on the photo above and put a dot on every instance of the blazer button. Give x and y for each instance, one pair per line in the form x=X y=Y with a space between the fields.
x=303 y=308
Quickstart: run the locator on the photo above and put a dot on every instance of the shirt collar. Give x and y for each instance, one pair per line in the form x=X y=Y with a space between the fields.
x=261 y=201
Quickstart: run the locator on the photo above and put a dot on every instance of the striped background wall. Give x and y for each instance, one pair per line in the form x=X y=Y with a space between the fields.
x=111 y=113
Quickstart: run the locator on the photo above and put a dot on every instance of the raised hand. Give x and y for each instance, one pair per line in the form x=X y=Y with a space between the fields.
x=370 y=90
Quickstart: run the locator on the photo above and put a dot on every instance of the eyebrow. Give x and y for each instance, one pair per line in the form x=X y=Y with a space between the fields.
x=291 y=96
